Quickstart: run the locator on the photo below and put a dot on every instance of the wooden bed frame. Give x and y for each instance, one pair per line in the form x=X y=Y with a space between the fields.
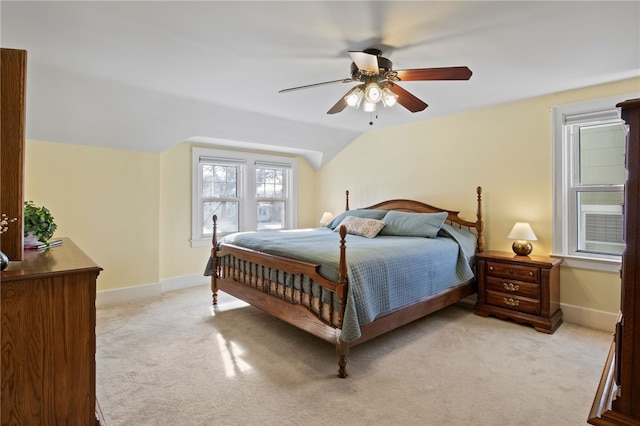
x=316 y=315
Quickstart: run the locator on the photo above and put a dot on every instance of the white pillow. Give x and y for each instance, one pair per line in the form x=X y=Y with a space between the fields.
x=364 y=227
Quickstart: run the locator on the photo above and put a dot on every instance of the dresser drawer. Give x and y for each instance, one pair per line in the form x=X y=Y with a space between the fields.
x=513 y=287
x=516 y=272
x=516 y=303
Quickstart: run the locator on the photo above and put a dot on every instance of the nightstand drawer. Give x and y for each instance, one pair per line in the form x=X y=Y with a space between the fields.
x=513 y=287
x=516 y=303
x=516 y=272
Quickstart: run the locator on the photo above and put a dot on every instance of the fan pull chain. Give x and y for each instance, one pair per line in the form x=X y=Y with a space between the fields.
x=371 y=118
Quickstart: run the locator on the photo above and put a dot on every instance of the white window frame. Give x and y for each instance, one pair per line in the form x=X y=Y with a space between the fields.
x=565 y=218
x=247 y=192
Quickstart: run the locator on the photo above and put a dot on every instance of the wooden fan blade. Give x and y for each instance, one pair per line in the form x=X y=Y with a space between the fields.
x=365 y=61
x=344 y=80
x=407 y=100
x=339 y=106
x=448 y=73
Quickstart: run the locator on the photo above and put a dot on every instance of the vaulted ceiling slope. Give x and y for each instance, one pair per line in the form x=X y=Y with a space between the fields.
x=147 y=75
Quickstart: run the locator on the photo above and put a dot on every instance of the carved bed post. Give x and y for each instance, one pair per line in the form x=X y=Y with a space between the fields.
x=343 y=350
x=341 y=288
x=479 y=222
x=346 y=207
x=341 y=291
x=214 y=260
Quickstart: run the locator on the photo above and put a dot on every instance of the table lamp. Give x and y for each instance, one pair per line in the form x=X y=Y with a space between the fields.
x=522 y=233
x=326 y=218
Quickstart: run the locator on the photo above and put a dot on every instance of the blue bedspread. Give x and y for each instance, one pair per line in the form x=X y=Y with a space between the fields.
x=384 y=273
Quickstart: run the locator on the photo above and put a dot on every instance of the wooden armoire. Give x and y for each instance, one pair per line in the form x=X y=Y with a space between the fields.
x=617 y=400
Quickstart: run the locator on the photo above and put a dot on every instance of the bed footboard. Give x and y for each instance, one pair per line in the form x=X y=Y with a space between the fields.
x=291 y=290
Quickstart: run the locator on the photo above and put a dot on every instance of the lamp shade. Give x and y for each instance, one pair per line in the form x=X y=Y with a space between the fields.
x=326 y=218
x=522 y=231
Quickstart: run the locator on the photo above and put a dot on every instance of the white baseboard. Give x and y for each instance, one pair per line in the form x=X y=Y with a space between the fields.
x=590 y=318
x=146 y=291
x=185 y=281
x=585 y=317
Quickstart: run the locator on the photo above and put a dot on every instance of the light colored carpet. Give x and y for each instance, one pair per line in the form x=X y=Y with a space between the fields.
x=174 y=360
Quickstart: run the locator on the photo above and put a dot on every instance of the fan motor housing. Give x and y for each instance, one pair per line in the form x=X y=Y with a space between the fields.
x=384 y=64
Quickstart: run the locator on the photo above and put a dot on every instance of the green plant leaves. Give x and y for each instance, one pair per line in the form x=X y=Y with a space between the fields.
x=38 y=221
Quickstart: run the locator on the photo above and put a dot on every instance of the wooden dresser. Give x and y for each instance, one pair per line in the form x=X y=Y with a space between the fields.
x=525 y=289
x=617 y=400
x=48 y=338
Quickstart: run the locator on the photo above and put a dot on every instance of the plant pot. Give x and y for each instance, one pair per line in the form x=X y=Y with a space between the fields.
x=31 y=240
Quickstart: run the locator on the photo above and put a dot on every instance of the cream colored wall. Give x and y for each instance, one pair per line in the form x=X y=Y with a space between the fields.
x=506 y=149
x=105 y=200
x=177 y=258
x=129 y=211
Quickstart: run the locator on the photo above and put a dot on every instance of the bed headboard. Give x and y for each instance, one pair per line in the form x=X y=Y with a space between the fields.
x=420 y=207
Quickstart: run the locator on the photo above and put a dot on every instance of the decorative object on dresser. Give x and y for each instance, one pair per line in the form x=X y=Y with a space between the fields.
x=4 y=261
x=617 y=400
x=523 y=235
x=48 y=338
x=525 y=289
x=39 y=224
x=4 y=226
x=302 y=277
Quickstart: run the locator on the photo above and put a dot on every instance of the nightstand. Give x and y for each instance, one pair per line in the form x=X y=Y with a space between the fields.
x=525 y=289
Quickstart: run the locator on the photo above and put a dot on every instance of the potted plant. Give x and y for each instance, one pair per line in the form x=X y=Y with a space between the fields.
x=38 y=222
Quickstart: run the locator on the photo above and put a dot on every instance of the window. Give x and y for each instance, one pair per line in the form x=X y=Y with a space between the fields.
x=272 y=181
x=246 y=192
x=589 y=176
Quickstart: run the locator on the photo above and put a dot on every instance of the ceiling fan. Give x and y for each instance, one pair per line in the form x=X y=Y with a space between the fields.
x=378 y=82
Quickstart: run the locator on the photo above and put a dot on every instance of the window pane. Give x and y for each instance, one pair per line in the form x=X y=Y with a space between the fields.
x=602 y=154
x=271 y=183
x=227 y=212
x=219 y=181
x=271 y=215
x=600 y=222
x=207 y=180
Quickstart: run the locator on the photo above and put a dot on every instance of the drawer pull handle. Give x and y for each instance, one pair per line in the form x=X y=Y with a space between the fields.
x=491 y=268
x=511 y=286
x=511 y=302
x=530 y=273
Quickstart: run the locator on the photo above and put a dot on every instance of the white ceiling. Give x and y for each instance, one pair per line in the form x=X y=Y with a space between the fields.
x=147 y=75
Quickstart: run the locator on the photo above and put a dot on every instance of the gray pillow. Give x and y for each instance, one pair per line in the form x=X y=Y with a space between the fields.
x=409 y=224
x=367 y=214
x=364 y=227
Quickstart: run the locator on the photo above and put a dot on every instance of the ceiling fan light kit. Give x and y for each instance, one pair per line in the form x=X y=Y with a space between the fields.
x=354 y=97
x=372 y=93
x=377 y=83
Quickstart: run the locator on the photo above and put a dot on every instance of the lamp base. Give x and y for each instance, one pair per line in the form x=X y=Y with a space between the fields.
x=522 y=248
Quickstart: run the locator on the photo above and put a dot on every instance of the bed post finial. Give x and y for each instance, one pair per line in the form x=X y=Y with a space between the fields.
x=346 y=193
x=479 y=222
x=214 y=260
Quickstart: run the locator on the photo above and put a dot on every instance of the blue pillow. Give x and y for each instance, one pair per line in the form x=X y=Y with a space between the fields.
x=366 y=214
x=407 y=224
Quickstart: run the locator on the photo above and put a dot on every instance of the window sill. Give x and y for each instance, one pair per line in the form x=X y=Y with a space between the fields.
x=201 y=242
x=593 y=263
